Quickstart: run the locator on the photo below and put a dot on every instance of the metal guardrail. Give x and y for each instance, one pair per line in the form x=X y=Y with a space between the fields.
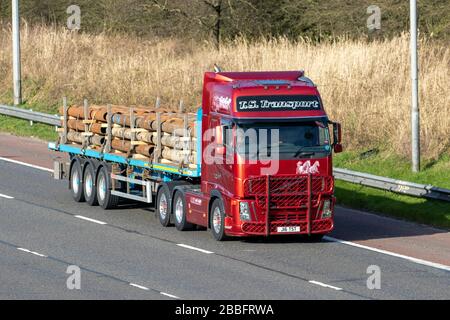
x=365 y=179
x=397 y=186
x=30 y=115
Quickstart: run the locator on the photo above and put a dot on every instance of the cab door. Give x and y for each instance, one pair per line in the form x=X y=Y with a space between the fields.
x=221 y=175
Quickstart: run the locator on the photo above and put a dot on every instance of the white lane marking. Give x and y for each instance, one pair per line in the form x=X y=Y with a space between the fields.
x=170 y=295
x=91 y=220
x=26 y=164
x=393 y=254
x=139 y=286
x=194 y=248
x=415 y=260
x=32 y=252
x=324 y=285
x=5 y=196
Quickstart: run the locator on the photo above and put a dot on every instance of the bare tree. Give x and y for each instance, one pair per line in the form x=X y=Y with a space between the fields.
x=211 y=18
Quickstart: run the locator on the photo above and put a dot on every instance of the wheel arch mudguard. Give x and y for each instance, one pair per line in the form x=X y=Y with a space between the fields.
x=215 y=194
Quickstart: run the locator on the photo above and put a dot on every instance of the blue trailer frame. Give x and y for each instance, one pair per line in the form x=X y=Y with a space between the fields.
x=158 y=171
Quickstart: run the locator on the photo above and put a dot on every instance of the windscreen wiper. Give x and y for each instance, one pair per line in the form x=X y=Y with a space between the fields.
x=301 y=151
x=304 y=153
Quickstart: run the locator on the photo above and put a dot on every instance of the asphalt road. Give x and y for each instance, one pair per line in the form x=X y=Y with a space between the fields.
x=127 y=254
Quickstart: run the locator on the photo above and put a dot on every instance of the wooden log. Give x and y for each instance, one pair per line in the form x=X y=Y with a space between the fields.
x=125 y=146
x=78 y=111
x=177 y=143
x=97 y=140
x=168 y=140
x=74 y=136
x=141 y=157
x=78 y=137
x=122 y=133
x=78 y=125
x=98 y=128
x=73 y=111
x=178 y=155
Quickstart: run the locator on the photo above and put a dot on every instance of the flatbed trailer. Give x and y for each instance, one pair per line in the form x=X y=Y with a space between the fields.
x=223 y=191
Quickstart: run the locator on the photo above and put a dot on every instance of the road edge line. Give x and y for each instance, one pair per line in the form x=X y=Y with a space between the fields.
x=390 y=253
x=26 y=164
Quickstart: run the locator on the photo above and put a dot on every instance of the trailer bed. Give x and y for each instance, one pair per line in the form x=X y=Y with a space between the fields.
x=109 y=157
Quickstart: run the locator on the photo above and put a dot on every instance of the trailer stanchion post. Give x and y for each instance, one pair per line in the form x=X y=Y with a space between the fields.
x=108 y=128
x=86 y=125
x=56 y=127
x=158 y=139
x=65 y=116
x=133 y=131
x=158 y=151
x=185 y=140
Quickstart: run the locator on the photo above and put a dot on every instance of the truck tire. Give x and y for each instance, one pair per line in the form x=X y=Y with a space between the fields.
x=217 y=220
x=104 y=197
x=76 y=186
x=89 y=185
x=163 y=206
x=179 y=212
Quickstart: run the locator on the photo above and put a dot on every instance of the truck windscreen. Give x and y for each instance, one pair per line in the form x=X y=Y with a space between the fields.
x=290 y=140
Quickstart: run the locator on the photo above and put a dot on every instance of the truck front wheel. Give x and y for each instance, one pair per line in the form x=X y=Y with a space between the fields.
x=179 y=212
x=76 y=185
x=105 y=199
x=217 y=220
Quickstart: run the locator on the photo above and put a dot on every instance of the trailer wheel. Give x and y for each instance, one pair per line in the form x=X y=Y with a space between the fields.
x=163 y=206
x=217 y=220
x=179 y=212
x=89 y=186
x=76 y=186
x=105 y=199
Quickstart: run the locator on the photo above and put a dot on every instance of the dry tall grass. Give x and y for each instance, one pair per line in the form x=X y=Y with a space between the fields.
x=364 y=85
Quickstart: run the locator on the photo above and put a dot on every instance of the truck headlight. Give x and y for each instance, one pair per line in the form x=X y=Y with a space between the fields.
x=244 y=210
x=326 y=209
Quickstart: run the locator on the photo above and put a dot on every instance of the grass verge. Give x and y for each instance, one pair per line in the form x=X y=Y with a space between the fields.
x=382 y=163
x=431 y=212
x=435 y=172
x=23 y=128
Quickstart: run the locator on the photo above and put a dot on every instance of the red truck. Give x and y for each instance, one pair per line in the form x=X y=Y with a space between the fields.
x=264 y=162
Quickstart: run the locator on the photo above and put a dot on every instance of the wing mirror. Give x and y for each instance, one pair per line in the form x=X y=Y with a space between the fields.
x=338 y=148
x=337 y=137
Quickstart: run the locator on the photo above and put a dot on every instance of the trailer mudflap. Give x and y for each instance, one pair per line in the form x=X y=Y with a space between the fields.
x=59 y=169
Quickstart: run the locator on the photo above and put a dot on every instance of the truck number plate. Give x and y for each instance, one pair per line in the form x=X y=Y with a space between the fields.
x=288 y=229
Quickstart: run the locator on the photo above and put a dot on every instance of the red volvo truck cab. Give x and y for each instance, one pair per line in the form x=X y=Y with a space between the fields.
x=264 y=162
x=266 y=159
